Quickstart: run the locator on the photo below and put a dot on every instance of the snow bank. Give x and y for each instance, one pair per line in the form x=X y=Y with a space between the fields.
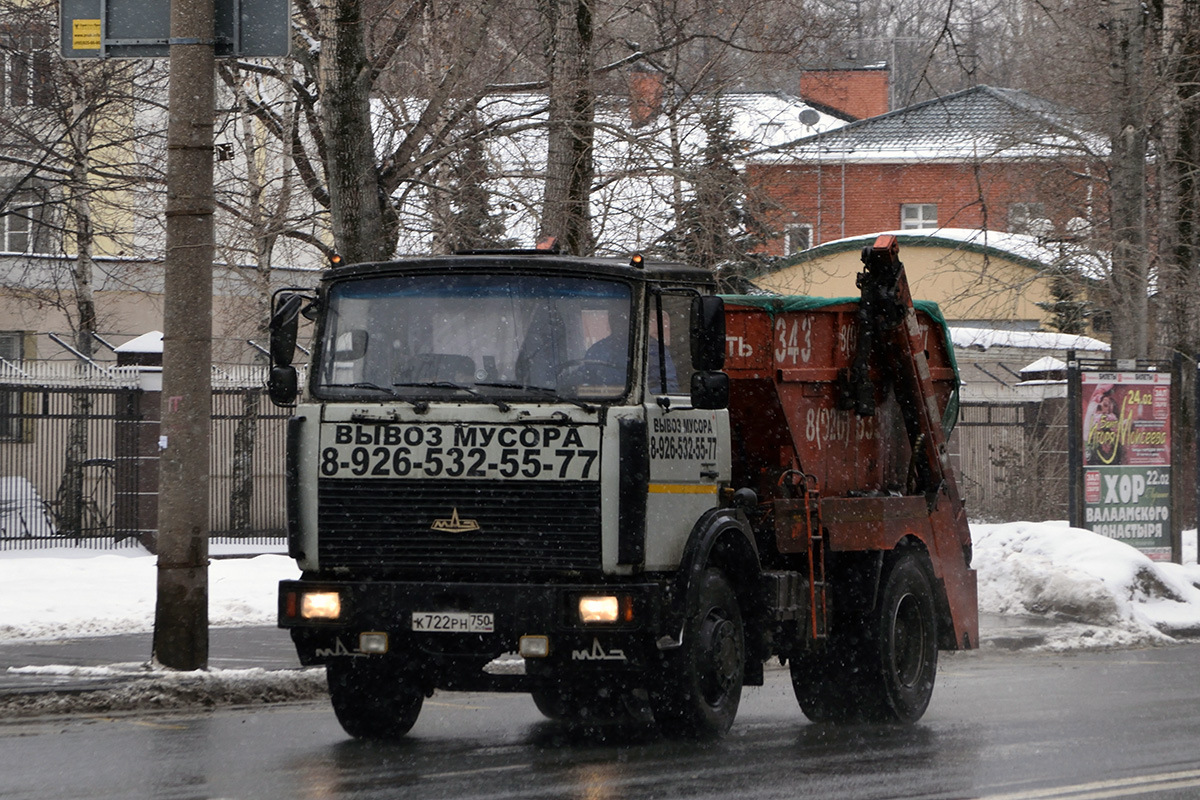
x=72 y=592
x=1105 y=592
x=1099 y=592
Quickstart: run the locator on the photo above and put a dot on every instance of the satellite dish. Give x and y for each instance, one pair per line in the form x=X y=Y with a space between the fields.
x=809 y=117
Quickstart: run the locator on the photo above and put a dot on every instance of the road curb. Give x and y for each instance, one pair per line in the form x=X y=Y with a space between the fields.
x=164 y=690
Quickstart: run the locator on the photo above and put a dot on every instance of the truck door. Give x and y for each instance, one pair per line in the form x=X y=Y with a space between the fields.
x=689 y=456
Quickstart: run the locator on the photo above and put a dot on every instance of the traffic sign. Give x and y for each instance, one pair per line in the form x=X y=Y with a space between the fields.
x=142 y=28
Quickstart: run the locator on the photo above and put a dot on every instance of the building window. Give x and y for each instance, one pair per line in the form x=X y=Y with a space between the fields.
x=25 y=69
x=1029 y=218
x=18 y=229
x=796 y=238
x=914 y=216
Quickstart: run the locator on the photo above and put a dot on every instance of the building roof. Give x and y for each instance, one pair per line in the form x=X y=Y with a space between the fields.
x=984 y=339
x=990 y=363
x=1020 y=248
x=981 y=122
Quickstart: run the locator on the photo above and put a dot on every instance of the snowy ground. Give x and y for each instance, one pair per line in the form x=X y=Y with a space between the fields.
x=1101 y=591
x=1097 y=592
x=1105 y=592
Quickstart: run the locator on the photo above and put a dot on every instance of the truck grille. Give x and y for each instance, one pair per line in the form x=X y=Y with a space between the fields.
x=457 y=527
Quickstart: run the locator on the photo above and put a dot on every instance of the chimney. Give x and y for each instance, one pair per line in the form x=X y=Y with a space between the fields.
x=860 y=93
x=645 y=96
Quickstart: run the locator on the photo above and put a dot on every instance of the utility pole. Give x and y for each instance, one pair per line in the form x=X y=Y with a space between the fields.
x=181 y=612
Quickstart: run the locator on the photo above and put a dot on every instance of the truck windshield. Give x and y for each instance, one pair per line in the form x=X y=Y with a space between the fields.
x=475 y=336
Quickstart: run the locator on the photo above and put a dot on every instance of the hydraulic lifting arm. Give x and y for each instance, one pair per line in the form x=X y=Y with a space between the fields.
x=887 y=323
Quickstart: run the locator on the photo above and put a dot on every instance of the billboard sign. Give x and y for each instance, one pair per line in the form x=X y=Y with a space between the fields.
x=1126 y=440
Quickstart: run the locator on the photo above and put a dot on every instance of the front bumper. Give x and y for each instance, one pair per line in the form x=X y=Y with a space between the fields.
x=460 y=660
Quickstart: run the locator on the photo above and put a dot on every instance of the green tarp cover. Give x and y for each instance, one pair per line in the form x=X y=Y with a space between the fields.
x=778 y=304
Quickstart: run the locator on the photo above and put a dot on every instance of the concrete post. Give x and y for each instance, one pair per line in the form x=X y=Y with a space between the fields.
x=181 y=612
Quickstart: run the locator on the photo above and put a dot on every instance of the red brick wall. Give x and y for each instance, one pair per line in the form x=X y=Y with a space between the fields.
x=861 y=93
x=855 y=199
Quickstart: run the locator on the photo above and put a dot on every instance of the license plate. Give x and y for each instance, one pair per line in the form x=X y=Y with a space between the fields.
x=452 y=622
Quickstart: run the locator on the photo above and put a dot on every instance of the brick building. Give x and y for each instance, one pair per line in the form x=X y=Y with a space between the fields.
x=984 y=158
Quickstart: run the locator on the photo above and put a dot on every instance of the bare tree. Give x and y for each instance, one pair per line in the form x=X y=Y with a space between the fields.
x=566 y=212
x=1177 y=232
x=1130 y=140
x=66 y=150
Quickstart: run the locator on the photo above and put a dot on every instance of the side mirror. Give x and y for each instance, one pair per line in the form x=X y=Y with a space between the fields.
x=710 y=390
x=283 y=385
x=285 y=322
x=707 y=328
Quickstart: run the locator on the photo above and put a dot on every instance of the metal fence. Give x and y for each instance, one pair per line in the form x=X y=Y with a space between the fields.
x=1011 y=460
x=78 y=461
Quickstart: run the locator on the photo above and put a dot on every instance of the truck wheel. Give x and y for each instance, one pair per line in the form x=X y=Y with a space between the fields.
x=559 y=706
x=824 y=686
x=582 y=706
x=903 y=662
x=373 y=702
x=702 y=682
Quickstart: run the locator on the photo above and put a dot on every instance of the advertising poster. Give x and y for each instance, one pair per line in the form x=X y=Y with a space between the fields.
x=1127 y=458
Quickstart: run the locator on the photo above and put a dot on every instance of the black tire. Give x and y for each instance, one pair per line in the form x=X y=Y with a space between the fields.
x=554 y=704
x=372 y=701
x=825 y=686
x=579 y=706
x=903 y=666
x=880 y=663
x=702 y=682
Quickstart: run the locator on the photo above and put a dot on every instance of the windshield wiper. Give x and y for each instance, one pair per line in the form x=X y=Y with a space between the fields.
x=544 y=391
x=360 y=385
x=500 y=404
x=420 y=405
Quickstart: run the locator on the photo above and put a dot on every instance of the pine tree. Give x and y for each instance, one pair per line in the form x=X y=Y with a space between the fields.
x=719 y=224
x=1069 y=314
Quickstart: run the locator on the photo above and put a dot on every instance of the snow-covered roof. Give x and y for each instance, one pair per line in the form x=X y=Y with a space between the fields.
x=1033 y=251
x=1044 y=364
x=986 y=338
x=981 y=122
x=766 y=120
x=151 y=342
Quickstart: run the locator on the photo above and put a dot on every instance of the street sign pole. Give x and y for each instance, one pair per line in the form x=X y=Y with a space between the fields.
x=192 y=33
x=181 y=611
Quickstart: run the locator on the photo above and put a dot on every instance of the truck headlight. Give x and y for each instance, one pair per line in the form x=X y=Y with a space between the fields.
x=321 y=605
x=599 y=609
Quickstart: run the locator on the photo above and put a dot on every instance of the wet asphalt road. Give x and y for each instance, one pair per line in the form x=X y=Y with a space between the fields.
x=1012 y=725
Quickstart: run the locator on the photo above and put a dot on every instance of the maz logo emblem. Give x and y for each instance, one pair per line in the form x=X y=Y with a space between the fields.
x=454 y=524
x=598 y=653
